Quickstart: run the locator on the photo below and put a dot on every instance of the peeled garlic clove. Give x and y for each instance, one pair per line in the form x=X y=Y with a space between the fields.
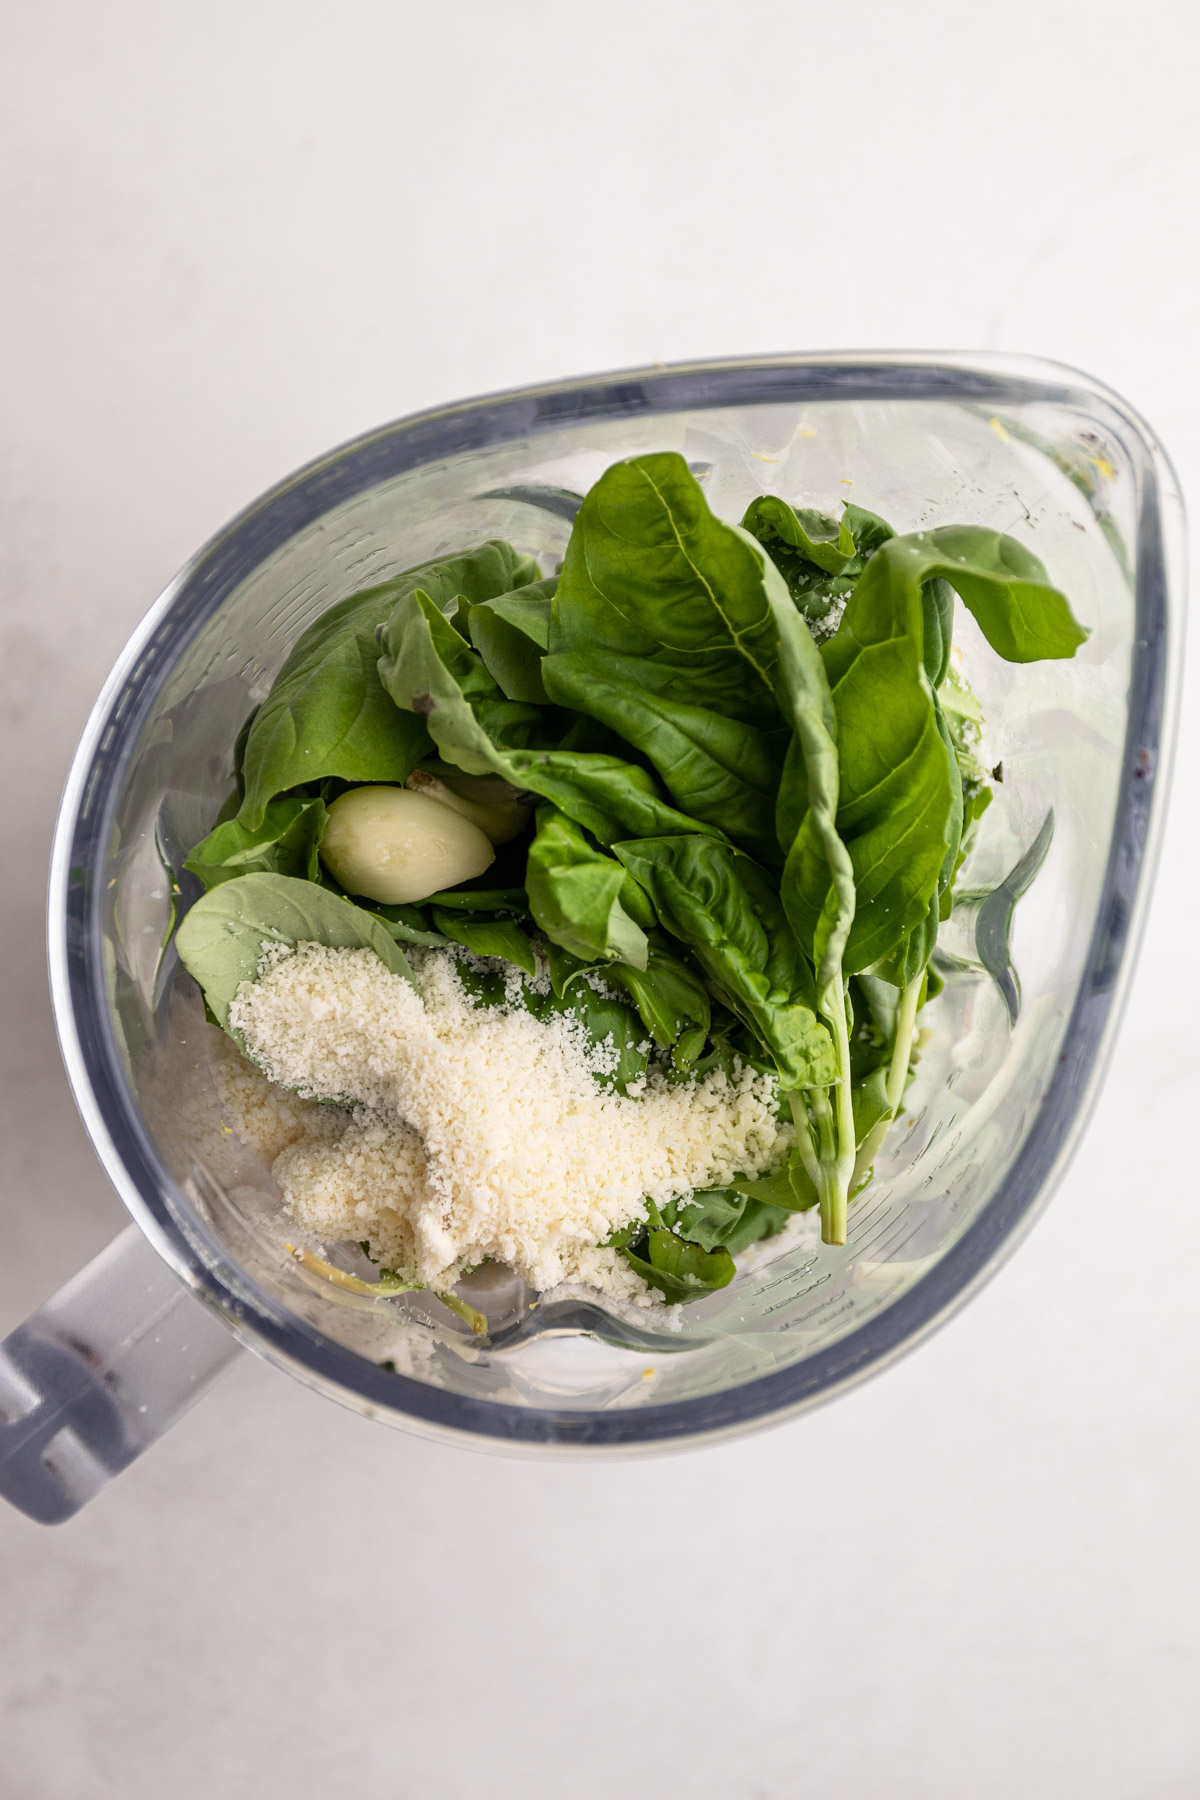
x=394 y=846
x=487 y=800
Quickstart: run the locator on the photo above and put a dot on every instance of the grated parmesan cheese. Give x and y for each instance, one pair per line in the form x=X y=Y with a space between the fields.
x=474 y=1131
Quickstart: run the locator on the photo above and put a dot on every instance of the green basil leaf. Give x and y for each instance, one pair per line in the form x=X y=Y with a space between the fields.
x=576 y=892
x=428 y=667
x=721 y=1218
x=239 y=758
x=867 y=529
x=285 y=843
x=651 y=574
x=511 y=634
x=726 y=909
x=327 y=713
x=673 y=1003
x=789 y=1187
x=720 y=771
x=679 y=1270
x=487 y=937
x=222 y=939
x=795 y=534
x=514 y=900
x=819 y=558
x=895 y=783
x=1021 y=615
x=937 y=612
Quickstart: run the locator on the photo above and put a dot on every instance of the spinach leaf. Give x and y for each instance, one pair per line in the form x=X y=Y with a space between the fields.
x=720 y=771
x=487 y=937
x=284 y=844
x=581 y=898
x=726 y=909
x=511 y=634
x=222 y=939
x=428 y=667
x=679 y=1270
x=327 y=712
x=671 y=1000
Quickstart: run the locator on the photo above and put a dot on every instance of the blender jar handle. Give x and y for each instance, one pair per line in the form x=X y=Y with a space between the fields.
x=99 y=1372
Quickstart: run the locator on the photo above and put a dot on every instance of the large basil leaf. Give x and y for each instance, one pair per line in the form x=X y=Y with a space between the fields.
x=1005 y=585
x=222 y=939
x=285 y=843
x=811 y=786
x=327 y=713
x=428 y=667
x=726 y=909
x=897 y=831
x=721 y=771
x=650 y=573
x=577 y=894
x=895 y=798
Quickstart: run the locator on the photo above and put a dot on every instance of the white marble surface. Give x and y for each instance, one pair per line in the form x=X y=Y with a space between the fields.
x=235 y=234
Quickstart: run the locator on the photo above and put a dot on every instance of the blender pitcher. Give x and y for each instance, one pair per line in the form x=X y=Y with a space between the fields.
x=1036 y=957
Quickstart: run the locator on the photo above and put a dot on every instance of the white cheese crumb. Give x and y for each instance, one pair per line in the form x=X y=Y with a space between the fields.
x=477 y=1131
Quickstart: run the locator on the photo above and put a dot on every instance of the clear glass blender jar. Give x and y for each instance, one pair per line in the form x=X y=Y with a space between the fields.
x=1035 y=958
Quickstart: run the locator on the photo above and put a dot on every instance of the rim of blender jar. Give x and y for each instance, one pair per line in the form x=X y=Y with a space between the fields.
x=83 y=1017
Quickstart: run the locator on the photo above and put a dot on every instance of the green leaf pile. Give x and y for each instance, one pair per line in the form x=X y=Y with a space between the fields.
x=755 y=788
